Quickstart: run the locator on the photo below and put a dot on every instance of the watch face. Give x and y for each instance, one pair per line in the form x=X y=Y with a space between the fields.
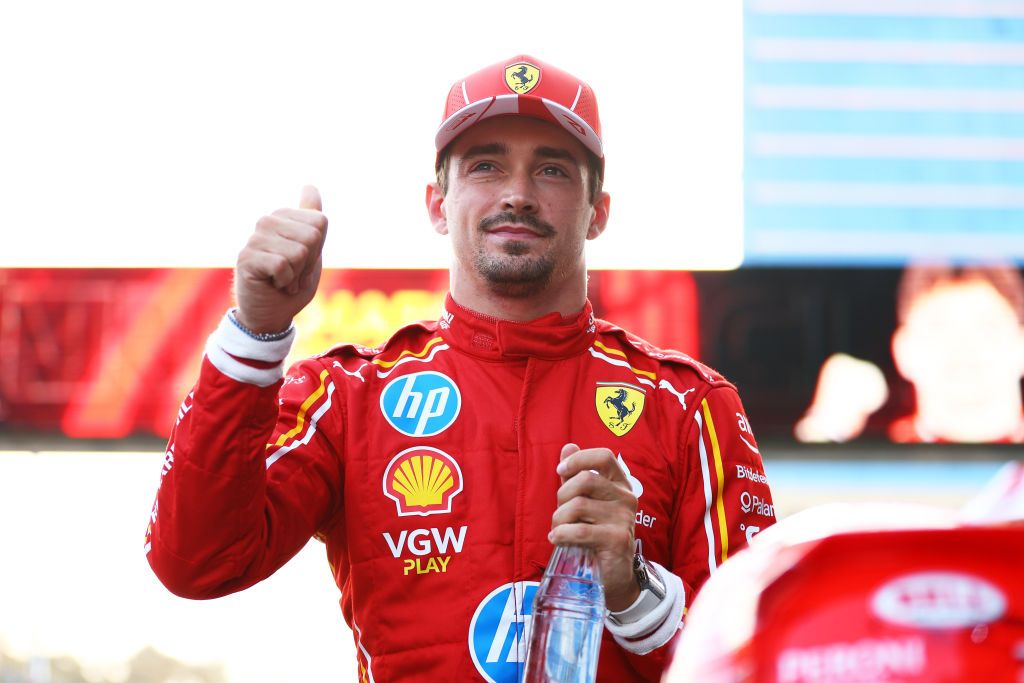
x=650 y=579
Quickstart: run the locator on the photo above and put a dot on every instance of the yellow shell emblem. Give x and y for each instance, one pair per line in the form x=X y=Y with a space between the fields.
x=422 y=481
x=619 y=405
x=522 y=77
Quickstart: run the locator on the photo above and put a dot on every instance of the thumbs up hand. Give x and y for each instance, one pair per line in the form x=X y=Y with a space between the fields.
x=279 y=269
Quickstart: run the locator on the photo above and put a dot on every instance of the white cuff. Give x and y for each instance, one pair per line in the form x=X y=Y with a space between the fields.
x=228 y=343
x=655 y=628
x=644 y=604
x=240 y=345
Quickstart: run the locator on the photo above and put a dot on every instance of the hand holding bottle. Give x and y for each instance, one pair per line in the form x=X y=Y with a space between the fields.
x=597 y=510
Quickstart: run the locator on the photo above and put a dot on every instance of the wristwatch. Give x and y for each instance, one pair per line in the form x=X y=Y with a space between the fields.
x=648 y=577
x=652 y=593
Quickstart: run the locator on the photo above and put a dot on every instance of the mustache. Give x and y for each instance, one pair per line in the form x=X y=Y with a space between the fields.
x=508 y=218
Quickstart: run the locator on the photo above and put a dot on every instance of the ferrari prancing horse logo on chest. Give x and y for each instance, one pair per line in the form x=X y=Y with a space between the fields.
x=619 y=405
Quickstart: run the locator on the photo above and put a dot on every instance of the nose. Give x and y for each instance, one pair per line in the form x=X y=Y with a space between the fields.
x=518 y=195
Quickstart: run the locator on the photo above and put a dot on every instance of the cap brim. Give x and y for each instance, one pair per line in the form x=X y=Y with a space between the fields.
x=518 y=105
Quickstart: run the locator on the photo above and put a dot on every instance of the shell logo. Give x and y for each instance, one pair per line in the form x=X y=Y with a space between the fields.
x=422 y=481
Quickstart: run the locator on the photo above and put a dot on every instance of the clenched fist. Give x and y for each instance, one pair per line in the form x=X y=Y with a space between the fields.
x=279 y=269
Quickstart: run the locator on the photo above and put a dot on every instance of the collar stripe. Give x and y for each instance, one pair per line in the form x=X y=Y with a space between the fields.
x=617 y=352
x=417 y=357
x=623 y=364
x=418 y=354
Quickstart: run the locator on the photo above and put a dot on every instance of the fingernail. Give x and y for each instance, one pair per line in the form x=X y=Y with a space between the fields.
x=562 y=468
x=551 y=536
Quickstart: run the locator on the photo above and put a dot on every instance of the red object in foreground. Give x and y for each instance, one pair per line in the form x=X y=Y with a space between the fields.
x=897 y=605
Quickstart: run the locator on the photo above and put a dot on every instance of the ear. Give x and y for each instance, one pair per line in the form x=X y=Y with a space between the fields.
x=435 y=208
x=602 y=205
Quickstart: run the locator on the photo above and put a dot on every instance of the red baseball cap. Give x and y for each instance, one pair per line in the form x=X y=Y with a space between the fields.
x=522 y=86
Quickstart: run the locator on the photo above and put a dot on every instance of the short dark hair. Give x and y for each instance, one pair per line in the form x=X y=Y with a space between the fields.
x=595 y=172
x=920 y=278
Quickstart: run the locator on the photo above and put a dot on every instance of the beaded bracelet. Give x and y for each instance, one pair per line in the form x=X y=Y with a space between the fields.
x=259 y=336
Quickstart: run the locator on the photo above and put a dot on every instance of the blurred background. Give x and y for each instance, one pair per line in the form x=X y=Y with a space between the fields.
x=822 y=199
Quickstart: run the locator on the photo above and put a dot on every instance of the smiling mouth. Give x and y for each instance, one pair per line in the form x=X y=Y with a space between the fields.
x=514 y=226
x=513 y=231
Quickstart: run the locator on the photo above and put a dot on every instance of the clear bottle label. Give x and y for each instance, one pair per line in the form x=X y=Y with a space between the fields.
x=568 y=620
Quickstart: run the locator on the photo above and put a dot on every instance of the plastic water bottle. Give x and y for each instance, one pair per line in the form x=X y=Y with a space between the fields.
x=568 y=619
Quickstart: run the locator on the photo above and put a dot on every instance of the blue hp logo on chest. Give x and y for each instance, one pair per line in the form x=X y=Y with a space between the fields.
x=421 y=404
x=500 y=632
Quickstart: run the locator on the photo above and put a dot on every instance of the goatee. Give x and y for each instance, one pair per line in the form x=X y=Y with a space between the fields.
x=515 y=273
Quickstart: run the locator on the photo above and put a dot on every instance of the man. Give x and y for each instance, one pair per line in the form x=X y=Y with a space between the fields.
x=959 y=342
x=440 y=468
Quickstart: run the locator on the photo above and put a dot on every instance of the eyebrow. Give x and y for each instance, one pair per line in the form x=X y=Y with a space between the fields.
x=555 y=153
x=500 y=148
x=492 y=149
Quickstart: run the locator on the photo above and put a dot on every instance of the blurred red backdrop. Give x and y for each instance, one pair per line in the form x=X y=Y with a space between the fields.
x=108 y=353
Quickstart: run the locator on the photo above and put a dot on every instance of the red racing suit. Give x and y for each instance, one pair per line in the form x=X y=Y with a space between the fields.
x=427 y=467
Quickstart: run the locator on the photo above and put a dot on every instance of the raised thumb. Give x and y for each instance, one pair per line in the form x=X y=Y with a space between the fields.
x=310 y=199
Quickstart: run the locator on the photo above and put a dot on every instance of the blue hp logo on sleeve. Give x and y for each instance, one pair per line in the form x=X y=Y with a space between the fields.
x=421 y=404
x=500 y=632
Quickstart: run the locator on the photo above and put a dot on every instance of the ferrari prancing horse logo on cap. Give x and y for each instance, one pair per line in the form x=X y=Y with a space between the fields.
x=522 y=77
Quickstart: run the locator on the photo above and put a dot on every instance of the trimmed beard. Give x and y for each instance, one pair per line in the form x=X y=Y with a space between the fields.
x=515 y=274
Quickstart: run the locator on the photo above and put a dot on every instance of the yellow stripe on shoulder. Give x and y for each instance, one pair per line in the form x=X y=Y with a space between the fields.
x=418 y=354
x=622 y=354
x=300 y=418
